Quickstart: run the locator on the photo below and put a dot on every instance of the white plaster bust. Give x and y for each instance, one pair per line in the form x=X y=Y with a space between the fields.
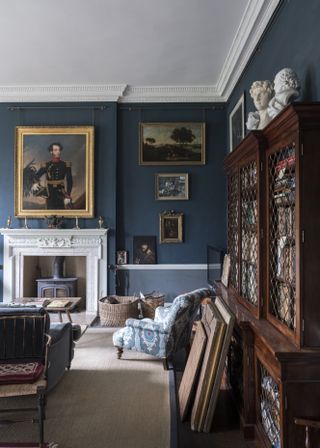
x=261 y=92
x=287 y=89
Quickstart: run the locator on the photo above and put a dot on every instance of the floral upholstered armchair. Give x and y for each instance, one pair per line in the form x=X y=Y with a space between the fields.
x=167 y=333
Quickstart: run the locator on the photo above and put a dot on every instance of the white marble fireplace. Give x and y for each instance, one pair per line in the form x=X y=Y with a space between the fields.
x=89 y=243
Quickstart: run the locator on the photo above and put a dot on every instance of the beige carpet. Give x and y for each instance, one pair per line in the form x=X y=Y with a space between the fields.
x=103 y=402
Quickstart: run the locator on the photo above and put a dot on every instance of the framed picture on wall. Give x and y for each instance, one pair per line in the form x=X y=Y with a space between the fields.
x=226 y=270
x=172 y=144
x=144 y=250
x=54 y=171
x=172 y=186
x=122 y=257
x=236 y=123
x=171 y=227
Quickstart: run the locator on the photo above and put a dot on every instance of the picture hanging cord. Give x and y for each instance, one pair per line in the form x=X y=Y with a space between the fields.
x=19 y=108
x=92 y=116
x=204 y=115
x=163 y=107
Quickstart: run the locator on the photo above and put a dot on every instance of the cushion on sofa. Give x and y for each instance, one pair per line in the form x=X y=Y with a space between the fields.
x=26 y=372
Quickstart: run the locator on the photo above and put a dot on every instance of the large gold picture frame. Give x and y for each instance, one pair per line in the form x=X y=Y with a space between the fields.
x=54 y=171
x=180 y=143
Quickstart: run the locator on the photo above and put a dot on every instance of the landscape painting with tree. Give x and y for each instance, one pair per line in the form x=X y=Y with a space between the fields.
x=172 y=143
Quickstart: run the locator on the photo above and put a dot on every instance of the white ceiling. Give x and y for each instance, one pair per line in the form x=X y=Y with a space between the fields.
x=132 y=50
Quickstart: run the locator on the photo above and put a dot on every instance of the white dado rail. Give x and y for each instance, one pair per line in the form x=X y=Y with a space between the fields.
x=89 y=243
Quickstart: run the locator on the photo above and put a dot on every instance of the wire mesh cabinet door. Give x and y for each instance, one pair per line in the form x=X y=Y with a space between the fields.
x=245 y=172
x=293 y=223
x=233 y=227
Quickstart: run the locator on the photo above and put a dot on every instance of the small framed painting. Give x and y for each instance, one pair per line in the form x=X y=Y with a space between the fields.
x=144 y=250
x=172 y=144
x=236 y=123
x=171 y=227
x=226 y=270
x=172 y=186
x=122 y=257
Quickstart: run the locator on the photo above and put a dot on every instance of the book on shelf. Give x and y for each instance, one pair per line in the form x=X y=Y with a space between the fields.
x=285 y=222
x=249 y=281
x=286 y=166
x=287 y=162
x=249 y=177
x=250 y=212
x=285 y=197
x=35 y=301
x=286 y=260
x=249 y=247
x=58 y=304
x=285 y=183
x=286 y=304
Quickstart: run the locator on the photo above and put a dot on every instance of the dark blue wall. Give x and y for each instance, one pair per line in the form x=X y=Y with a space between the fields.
x=292 y=40
x=204 y=212
x=105 y=123
x=124 y=191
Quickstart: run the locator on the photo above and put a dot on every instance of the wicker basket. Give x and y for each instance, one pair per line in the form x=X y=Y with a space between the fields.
x=114 y=310
x=150 y=303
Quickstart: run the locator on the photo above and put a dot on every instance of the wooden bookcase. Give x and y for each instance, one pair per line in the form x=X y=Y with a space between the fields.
x=245 y=213
x=293 y=223
x=274 y=245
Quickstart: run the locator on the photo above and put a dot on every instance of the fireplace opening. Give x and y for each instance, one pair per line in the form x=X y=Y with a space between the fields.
x=49 y=276
x=57 y=285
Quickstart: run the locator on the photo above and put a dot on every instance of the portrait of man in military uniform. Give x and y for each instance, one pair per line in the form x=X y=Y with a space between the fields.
x=58 y=179
x=54 y=171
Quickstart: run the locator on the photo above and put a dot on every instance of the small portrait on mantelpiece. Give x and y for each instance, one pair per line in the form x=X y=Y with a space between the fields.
x=122 y=257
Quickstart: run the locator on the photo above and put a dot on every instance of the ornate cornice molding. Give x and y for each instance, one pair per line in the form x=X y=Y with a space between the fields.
x=62 y=93
x=254 y=22
x=170 y=94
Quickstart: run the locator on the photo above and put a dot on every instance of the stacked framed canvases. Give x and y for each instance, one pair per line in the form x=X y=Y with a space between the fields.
x=200 y=384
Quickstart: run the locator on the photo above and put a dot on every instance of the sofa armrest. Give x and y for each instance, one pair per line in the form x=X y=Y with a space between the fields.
x=161 y=312
x=58 y=331
x=60 y=352
x=145 y=324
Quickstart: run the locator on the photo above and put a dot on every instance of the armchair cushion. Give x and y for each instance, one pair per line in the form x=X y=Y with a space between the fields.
x=26 y=372
x=145 y=324
x=142 y=338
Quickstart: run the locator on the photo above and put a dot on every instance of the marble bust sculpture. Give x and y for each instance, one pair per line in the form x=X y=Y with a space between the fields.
x=287 y=89
x=261 y=92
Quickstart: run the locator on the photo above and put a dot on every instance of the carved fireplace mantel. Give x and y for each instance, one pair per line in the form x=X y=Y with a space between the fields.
x=89 y=243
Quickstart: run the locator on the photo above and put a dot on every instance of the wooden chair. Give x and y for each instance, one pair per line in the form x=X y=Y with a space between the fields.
x=310 y=425
x=24 y=343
